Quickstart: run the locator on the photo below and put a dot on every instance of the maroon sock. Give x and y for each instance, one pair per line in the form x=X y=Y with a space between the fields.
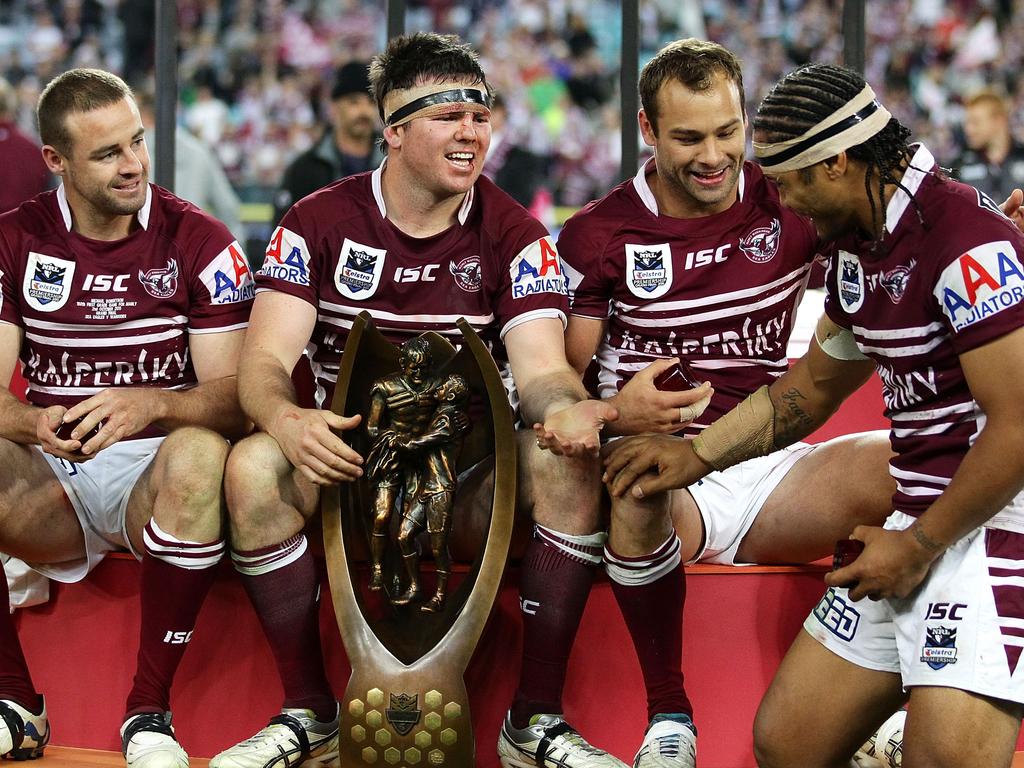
x=15 y=680
x=176 y=575
x=651 y=591
x=284 y=586
x=557 y=573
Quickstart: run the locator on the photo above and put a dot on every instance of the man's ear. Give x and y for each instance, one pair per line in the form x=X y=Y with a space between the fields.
x=393 y=137
x=836 y=165
x=54 y=160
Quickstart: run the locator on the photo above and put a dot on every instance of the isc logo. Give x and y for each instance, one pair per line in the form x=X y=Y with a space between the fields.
x=105 y=283
x=177 y=638
x=416 y=274
x=942 y=611
x=707 y=256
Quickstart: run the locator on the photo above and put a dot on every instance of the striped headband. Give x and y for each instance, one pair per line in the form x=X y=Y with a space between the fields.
x=430 y=100
x=859 y=119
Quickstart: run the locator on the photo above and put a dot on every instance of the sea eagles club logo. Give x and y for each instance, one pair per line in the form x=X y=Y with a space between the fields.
x=160 y=283
x=467 y=273
x=762 y=243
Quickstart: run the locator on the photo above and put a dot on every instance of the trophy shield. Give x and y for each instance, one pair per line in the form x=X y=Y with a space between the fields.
x=406 y=702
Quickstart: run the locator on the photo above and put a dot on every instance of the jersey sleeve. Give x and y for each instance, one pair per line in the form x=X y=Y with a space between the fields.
x=590 y=291
x=980 y=293
x=9 y=312
x=290 y=264
x=532 y=284
x=221 y=282
x=833 y=306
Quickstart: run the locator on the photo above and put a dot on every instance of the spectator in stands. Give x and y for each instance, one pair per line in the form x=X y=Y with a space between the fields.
x=512 y=167
x=129 y=306
x=25 y=173
x=994 y=160
x=349 y=143
x=198 y=174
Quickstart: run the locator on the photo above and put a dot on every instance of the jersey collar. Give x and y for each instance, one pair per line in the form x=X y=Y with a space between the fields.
x=643 y=189
x=65 y=209
x=378 y=195
x=921 y=165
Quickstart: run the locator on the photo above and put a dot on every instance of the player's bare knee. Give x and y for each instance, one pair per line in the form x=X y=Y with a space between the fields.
x=190 y=468
x=566 y=491
x=251 y=480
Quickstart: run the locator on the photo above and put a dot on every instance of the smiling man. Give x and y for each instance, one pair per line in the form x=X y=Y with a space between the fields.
x=418 y=243
x=127 y=306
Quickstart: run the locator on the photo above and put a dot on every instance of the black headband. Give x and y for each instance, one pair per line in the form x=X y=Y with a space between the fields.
x=454 y=96
x=828 y=133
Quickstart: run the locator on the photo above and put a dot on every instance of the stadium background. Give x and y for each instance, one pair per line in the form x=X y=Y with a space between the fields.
x=252 y=75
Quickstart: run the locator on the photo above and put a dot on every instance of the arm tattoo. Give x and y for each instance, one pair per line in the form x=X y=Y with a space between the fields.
x=925 y=540
x=792 y=422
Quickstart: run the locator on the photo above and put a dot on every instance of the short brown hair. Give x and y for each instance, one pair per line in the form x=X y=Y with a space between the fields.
x=988 y=96
x=693 y=63
x=77 y=90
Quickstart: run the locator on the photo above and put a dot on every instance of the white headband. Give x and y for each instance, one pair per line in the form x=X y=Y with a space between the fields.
x=860 y=118
x=430 y=100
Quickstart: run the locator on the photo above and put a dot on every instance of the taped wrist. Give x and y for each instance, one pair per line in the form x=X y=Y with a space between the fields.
x=745 y=432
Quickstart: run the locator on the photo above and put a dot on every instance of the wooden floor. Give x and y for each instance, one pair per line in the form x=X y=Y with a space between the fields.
x=65 y=757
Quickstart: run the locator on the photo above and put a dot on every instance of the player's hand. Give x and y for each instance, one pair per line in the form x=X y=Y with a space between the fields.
x=117 y=413
x=576 y=430
x=307 y=438
x=892 y=564
x=1013 y=206
x=47 y=424
x=649 y=464
x=643 y=407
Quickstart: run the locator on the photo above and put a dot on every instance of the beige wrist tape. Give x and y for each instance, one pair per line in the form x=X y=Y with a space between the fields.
x=745 y=432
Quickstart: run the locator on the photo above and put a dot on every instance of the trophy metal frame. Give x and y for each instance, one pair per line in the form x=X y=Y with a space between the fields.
x=406 y=702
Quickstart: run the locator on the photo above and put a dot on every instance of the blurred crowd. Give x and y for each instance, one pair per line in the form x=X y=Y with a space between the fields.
x=255 y=76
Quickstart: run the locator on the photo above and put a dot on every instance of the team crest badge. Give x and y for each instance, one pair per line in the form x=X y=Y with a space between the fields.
x=161 y=283
x=359 y=270
x=403 y=713
x=762 y=244
x=467 y=273
x=648 y=270
x=939 y=647
x=47 y=283
x=851 y=282
x=895 y=281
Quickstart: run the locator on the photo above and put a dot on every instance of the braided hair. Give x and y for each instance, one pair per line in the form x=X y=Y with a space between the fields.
x=812 y=93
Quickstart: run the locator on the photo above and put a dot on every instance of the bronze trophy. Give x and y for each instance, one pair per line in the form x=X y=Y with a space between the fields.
x=430 y=412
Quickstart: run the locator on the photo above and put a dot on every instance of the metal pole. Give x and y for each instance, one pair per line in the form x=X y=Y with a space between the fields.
x=854 y=41
x=166 y=96
x=396 y=18
x=629 y=74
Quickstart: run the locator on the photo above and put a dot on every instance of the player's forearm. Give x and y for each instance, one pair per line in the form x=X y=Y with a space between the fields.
x=548 y=393
x=988 y=478
x=211 y=404
x=265 y=389
x=17 y=419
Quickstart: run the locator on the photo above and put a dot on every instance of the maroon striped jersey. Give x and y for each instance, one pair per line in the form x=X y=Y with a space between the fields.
x=719 y=291
x=946 y=279
x=336 y=249
x=99 y=314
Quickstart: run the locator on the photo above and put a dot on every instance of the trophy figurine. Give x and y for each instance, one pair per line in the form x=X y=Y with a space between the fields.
x=431 y=412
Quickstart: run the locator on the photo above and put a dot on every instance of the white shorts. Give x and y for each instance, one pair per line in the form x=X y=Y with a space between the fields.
x=962 y=628
x=99 y=490
x=730 y=500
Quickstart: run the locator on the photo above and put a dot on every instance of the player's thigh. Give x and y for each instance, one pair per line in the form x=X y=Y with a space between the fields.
x=820 y=708
x=823 y=497
x=37 y=521
x=948 y=727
